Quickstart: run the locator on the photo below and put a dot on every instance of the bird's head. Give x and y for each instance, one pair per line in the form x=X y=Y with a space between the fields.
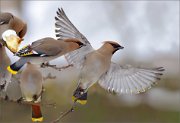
x=12 y=40
x=74 y=43
x=113 y=46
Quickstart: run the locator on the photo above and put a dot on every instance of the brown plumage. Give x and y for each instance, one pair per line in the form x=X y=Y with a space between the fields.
x=12 y=31
x=44 y=50
x=9 y=21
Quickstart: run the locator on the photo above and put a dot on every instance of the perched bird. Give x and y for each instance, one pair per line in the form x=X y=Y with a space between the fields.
x=31 y=84
x=12 y=30
x=5 y=76
x=44 y=50
x=95 y=66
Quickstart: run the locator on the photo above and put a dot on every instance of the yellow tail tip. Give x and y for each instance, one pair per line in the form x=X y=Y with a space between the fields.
x=82 y=102
x=40 y=119
x=11 y=71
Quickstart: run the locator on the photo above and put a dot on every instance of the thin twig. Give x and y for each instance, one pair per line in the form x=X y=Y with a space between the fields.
x=63 y=114
x=44 y=65
x=18 y=101
x=21 y=101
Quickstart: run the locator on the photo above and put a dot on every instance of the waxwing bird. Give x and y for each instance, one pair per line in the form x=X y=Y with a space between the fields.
x=44 y=50
x=95 y=66
x=12 y=30
x=31 y=84
x=5 y=76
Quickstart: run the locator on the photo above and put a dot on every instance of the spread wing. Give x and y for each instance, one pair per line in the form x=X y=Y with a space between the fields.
x=42 y=47
x=127 y=79
x=64 y=30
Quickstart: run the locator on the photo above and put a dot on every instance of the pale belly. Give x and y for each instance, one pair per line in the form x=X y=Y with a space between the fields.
x=30 y=89
x=94 y=69
x=30 y=83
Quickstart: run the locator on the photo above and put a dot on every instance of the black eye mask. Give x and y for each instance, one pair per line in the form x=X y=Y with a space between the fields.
x=116 y=46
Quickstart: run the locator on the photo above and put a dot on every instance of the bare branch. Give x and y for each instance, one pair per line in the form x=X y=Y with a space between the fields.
x=21 y=101
x=44 y=65
x=18 y=101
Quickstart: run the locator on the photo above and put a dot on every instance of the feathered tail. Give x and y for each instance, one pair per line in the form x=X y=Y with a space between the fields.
x=36 y=113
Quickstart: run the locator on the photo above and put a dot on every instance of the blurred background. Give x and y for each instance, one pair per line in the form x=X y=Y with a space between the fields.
x=149 y=31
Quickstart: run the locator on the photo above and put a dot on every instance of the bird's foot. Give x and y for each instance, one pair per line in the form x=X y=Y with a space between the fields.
x=19 y=100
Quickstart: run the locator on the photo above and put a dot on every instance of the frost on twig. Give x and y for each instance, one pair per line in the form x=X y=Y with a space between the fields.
x=44 y=65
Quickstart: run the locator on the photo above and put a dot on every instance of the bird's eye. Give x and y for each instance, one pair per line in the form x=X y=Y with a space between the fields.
x=80 y=44
x=115 y=45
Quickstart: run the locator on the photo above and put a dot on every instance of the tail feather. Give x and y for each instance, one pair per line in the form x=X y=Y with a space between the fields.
x=15 y=67
x=80 y=96
x=81 y=101
x=36 y=114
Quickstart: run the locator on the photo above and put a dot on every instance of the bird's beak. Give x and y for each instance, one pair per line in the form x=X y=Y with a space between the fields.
x=82 y=45
x=121 y=47
x=13 y=43
x=20 y=40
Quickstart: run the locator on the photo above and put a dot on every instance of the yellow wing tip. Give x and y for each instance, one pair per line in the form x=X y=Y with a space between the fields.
x=11 y=71
x=82 y=102
x=40 y=119
x=27 y=54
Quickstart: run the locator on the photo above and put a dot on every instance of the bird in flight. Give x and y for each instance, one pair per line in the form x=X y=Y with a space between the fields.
x=95 y=66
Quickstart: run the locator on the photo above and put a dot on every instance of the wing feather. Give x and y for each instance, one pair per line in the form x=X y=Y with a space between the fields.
x=64 y=30
x=127 y=79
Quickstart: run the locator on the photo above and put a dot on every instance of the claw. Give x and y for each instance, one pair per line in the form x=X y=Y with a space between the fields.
x=20 y=100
